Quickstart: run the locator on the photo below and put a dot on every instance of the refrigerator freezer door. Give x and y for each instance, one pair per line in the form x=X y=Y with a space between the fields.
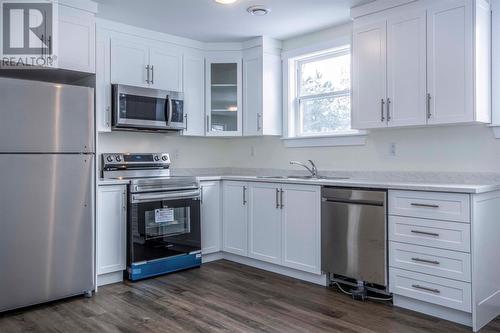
x=41 y=117
x=46 y=227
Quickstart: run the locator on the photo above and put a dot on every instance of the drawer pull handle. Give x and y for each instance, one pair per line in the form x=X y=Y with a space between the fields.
x=434 y=262
x=425 y=233
x=424 y=205
x=416 y=286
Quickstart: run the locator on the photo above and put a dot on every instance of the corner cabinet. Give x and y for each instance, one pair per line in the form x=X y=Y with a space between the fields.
x=224 y=96
x=111 y=231
x=422 y=63
x=262 y=90
x=194 y=94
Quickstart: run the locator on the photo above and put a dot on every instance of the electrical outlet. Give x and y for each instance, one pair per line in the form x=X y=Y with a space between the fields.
x=392 y=149
x=252 y=151
x=177 y=154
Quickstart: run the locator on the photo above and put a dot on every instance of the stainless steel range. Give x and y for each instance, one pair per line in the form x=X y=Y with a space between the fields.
x=163 y=220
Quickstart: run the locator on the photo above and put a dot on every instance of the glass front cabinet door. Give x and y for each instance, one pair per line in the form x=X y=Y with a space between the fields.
x=224 y=99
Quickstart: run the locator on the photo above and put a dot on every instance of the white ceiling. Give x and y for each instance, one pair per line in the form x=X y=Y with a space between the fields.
x=207 y=21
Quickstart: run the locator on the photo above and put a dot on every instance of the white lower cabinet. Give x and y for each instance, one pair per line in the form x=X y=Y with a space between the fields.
x=264 y=222
x=273 y=222
x=211 y=220
x=301 y=227
x=111 y=231
x=235 y=218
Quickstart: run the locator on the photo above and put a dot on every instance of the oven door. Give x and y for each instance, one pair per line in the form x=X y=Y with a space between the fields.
x=162 y=225
x=135 y=107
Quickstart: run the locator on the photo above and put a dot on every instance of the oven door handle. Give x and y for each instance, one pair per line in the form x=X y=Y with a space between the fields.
x=149 y=197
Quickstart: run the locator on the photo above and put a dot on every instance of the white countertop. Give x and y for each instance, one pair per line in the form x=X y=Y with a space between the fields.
x=351 y=182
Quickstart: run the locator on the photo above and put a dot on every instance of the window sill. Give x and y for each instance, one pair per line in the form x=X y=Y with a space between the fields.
x=348 y=139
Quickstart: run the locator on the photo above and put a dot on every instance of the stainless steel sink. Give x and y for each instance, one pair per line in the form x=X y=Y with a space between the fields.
x=308 y=177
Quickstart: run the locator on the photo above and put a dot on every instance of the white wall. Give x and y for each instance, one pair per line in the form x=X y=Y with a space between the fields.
x=454 y=148
x=185 y=152
x=471 y=148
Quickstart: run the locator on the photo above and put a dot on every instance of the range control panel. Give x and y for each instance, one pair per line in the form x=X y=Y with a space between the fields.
x=136 y=160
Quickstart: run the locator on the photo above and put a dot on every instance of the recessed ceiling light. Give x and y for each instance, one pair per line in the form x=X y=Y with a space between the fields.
x=226 y=2
x=258 y=10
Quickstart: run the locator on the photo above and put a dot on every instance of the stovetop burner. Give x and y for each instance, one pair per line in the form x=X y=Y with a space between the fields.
x=148 y=172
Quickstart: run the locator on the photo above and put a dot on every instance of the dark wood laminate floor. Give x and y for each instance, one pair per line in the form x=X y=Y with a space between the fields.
x=222 y=297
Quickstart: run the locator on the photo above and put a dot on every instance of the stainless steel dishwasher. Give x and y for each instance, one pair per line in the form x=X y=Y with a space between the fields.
x=354 y=234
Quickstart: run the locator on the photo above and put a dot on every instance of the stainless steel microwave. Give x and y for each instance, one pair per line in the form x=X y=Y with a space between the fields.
x=136 y=108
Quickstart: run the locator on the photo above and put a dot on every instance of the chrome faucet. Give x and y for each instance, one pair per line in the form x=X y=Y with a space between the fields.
x=313 y=170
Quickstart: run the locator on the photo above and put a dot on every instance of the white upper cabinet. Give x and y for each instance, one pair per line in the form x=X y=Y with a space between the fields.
x=426 y=62
x=194 y=94
x=224 y=96
x=165 y=68
x=369 y=76
x=264 y=222
x=262 y=90
x=450 y=62
x=129 y=62
x=76 y=40
x=406 y=69
x=135 y=62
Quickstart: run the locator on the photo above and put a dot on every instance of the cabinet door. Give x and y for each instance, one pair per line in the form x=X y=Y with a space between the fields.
x=111 y=229
x=224 y=97
x=234 y=223
x=166 y=69
x=211 y=221
x=449 y=62
x=369 y=76
x=194 y=94
x=301 y=225
x=103 y=83
x=76 y=40
x=252 y=94
x=406 y=69
x=129 y=61
x=264 y=222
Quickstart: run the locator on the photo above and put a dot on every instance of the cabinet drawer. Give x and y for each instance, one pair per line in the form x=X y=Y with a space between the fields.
x=427 y=288
x=433 y=233
x=427 y=260
x=431 y=205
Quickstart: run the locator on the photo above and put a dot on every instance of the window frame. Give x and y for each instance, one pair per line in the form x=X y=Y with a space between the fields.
x=291 y=83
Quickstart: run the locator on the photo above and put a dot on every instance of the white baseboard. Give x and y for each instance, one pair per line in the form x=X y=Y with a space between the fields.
x=109 y=278
x=320 y=279
x=434 y=310
x=206 y=258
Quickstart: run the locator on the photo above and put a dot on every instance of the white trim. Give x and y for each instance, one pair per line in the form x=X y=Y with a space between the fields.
x=377 y=6
x=319 y=47
x=348 y=139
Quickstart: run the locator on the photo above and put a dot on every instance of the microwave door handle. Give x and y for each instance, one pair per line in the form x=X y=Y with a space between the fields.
x=168 y=107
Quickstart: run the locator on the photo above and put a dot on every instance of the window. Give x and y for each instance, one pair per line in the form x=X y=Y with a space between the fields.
x=323 y=99
x=319 y=94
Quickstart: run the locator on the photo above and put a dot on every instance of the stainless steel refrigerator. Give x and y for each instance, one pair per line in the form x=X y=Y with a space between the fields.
x=47 y=170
